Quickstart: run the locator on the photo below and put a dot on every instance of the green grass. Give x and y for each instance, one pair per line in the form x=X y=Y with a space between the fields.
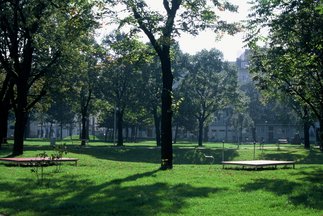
x=126 y=181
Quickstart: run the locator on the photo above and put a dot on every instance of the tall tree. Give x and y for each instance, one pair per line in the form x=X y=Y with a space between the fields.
x=161 y=28
x=34 y=35
x=210 y=85
x=120 y=74
x=291 y=63
x=6 y=92
x=151 y=90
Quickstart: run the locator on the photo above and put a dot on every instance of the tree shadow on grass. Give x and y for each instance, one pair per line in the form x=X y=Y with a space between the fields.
x=285 y=156
x=311 y=157
x=5 y=150
x=315 y=156
x=152 y=155
x=308 y=192
x=71 y=195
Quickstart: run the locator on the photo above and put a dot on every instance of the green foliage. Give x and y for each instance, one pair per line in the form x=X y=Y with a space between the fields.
x=38 y=167
x=48 y=160
x=209 y=86
x=291 y=63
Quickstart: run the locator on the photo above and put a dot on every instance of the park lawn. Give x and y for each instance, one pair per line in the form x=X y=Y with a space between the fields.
x=126 y=181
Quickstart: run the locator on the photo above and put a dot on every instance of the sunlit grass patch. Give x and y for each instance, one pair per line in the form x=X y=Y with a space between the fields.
x=126 y=181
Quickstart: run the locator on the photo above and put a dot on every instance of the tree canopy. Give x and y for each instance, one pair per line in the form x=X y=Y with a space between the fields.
x=161 y=28
x=291 y=62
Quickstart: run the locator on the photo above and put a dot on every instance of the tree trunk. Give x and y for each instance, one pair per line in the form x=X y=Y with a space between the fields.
x=206 y=134
x=4 y=110
x=132 y=134
x=176 y=133
x=83 y=129
x=321 y=134
x=157 y=127
x=306 y=126
x=200 y=135
x=106 y=134
x=21 y=115
x=20 y=125
x=127 y=133
x=166 y=120
x=61 y=135
x=254 y=136
x=93 y=128
x=226 y=131
x=119 y=126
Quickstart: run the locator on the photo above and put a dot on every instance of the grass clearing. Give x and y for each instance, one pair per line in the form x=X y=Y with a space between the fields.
x=126 y=181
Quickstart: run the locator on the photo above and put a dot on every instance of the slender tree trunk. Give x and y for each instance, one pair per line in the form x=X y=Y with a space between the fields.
x=4 y=110
x=27 y=128
x=176 y=133
x=93 y=128
x=321 y=134
x=306 y=126
x=4 y=113
x=71 y=130
x=157 y=127
x=166 y=121
x=254 y=136
x=83 y=129
x=200 y=135
x=127 y=133
x=61 y=135
x=132 y=134
x=87 y=125
x=106 y=134
x=226 y=131
x=120 y=127
x=206 y=137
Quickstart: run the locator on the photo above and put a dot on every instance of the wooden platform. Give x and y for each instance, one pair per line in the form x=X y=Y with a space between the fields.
x=37 y=160
x=259 y=163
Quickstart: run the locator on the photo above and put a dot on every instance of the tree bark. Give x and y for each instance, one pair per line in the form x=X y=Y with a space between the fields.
x=321 y=134
x=166 y=121
x=21 y=115
x=206 y=134
x=84 y=129
x=176 y=133
x=157 y=127
x=6 y=94
x=4 y=110
x=120 y=127
x=27 y=128
x=20 y=125
x=200 y=136
x=306 y=126
x=61 y=129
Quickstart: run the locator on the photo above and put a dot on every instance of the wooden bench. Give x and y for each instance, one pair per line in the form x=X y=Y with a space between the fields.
x=38 y=161
x=209 y=157
x=259 y=163
x=282 y=141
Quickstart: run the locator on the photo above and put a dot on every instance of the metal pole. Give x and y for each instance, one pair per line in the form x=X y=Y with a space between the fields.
x=223 y=150
x=254 y=150
x=114 y=125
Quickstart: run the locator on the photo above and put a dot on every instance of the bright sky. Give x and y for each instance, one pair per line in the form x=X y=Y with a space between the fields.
x=231 y=46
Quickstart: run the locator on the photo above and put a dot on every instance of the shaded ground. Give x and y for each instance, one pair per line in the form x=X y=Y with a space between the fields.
x=71 y=196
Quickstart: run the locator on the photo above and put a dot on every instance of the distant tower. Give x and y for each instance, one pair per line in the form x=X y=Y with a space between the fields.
x=242 y=67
